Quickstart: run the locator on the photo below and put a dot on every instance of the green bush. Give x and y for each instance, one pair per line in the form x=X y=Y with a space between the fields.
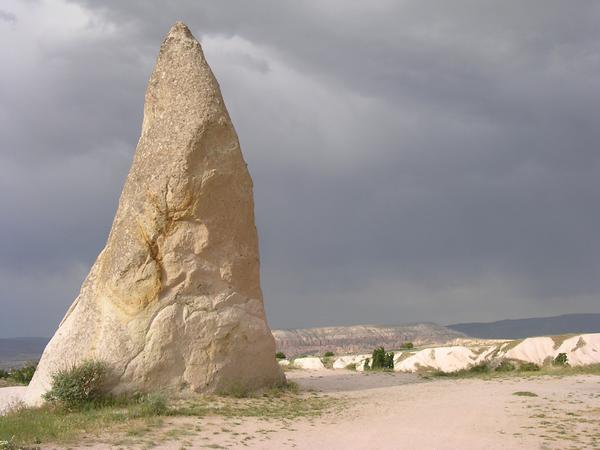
x=382 y=360
x=9 y=445
x=480 y=368
x=153 y=405
x=78 y=386
x=561 y=360
x=4 y=374
x=389 y=361
x=378 y=358
x=407 y=345
x=505 y=366
x=24 y=374
x=328 y=354
x=529 y=367
x=279 y=355
x=366 y=364
x=351 y=366
x=525 y=394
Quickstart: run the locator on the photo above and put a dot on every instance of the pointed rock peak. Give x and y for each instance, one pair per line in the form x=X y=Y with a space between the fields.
x=180 y=30
x=174 y=298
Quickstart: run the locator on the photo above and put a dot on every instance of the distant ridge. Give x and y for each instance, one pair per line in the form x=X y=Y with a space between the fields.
x=360 y=338
x=537 y=326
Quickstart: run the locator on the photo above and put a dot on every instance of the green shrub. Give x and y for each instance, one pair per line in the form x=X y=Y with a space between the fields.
x=328 y=354
x=78 y=386
x=480 y=368
x=351 y=366
x=328 y=361
x=389 y=361
x=505 y=366
x=24 y=374
x=3 y=374
x=9 y=445
x=407 y=345
x=153 y=405
x=529 y=367
x=382 y=360
x=525 y=394
x=378 y=358
x=366 y=364
x=279 y=355
x=561 y=360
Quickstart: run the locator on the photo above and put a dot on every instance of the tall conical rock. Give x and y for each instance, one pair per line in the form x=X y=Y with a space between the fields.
x=174 y=300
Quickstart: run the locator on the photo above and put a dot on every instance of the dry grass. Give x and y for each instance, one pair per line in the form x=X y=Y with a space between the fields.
x=486 y=372
x=25 y=427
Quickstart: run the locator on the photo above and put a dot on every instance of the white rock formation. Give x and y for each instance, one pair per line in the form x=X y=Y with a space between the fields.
x=174 y=300
x=343 y=361
x=485 y=354
x=536 y=350
x=309 y=363
x=446 y=359
x=581 y=350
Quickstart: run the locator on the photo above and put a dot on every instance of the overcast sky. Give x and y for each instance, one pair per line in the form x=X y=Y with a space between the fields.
x=412 y=160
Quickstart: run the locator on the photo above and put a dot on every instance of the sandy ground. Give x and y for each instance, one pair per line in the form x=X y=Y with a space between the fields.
x=403 y=411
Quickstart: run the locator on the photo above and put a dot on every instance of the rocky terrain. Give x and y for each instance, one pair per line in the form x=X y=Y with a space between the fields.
x=579 y=350
x=360 y=338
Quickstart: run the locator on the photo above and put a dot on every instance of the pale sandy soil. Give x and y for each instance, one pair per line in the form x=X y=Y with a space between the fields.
x=403 y=411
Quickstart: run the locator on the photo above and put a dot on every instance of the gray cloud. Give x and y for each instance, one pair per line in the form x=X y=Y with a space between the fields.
x=7 y=16
x=412 y=161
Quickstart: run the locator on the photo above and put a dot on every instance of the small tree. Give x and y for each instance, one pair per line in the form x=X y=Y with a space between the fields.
x=382 y=360
x=561 y=360
x=328 y=354
x=366 y=364
x=389 y=361
x=378 y=358
x=279 y=355
x=407 y=345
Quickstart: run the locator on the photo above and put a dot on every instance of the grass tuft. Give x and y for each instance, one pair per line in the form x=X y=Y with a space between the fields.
x=525 y=394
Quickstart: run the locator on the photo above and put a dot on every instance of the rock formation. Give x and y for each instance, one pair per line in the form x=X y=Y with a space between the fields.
x=581 y=350
x=174 y=300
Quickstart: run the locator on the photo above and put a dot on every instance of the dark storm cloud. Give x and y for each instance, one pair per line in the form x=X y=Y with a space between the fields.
x=412 y=160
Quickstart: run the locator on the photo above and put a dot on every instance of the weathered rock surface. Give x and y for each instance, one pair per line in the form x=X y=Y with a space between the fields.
x=447 y=359
x=309 y=363
x=360 y=338
x=174 y=300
